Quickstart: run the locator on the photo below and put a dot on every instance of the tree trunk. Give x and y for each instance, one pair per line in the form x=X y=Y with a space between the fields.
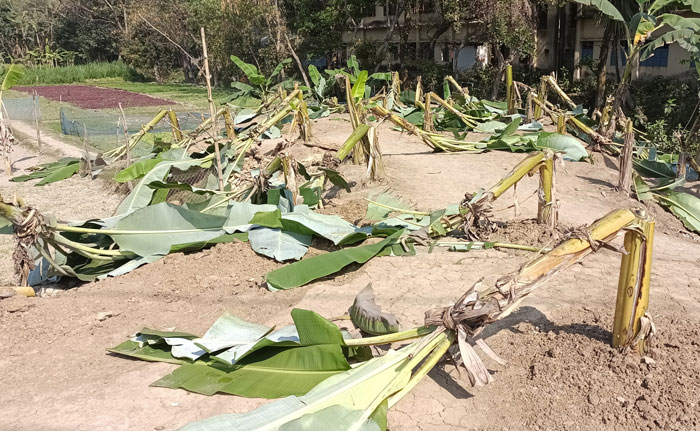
x=440 y=29
x=296 y=59
x=500 y=68
x=392 y=27
x=603 y=66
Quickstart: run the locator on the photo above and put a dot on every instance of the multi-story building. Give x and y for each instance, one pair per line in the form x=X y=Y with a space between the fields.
x=565 y=36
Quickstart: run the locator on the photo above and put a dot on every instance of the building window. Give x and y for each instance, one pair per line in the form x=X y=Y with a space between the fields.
x=659 y=59
x=542 y=17
x=587 y=50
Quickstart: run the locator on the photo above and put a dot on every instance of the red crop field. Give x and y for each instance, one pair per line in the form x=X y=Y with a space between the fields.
x=89 y=97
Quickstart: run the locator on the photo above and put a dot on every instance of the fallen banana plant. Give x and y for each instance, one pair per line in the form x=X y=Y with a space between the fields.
x=115 y=245
x=309 y=363
x=569 y=146
x=422 y=227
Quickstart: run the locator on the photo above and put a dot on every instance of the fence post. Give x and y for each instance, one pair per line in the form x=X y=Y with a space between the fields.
x=35 y=114
x=126 y=135
x=88 y=163
x=633 y=286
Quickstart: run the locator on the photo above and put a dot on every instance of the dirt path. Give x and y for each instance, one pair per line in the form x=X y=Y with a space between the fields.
x=561 y=372
x=51 y=145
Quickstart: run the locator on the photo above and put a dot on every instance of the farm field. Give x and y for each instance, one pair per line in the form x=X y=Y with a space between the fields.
x=93 y=97
x=349 y=216
x=561 y=372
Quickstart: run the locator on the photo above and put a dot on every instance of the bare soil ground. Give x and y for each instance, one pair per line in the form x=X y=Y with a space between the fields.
x=91 y=97
x=561 y=371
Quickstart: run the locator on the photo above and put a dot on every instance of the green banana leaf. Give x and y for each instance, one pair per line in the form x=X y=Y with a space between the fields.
x=568 y=145
x=251 y=72
x=282 y=64
x=329 y=226
x=278 y=244
x=653 y=169
x=46 y=169
x=335 y=178
x=605 y=7
x=345 y=401
x=302 y=272
x=272 y=372
x=60 y=174
x=314 y=329
x=358 y=88
x=153 y=346
x=378 y=203
x=314 y=74
x=12 y=75
x=684 y=206
x=156 y=229
x=271 y=219
x=642 y=189
x=665 y=39
x=142 y=194
x=137 y=170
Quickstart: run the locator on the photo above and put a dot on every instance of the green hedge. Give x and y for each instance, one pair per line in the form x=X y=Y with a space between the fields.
x=36 y=75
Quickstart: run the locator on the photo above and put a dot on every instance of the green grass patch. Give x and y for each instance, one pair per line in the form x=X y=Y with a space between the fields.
x=44 y=75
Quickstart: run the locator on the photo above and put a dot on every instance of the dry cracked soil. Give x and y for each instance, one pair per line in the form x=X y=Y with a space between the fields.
x=561 y=371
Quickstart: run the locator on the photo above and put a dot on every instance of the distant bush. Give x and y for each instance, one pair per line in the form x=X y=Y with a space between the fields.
x=432 y=74
x=78 y=73
x=478 y=80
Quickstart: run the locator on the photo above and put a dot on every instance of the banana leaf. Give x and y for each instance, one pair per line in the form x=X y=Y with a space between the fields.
x=382 y=204
x=314 y=74
x=229 y=331
x=345 y=401
x=605 y=7
x=336 y=179
x=331 y=227
x=251 y=72
x=368 y=316
x=137 y=170
x=684 y=206
x=568 y=145
x=314 y=329
x=156 y=229
x=272 y=372
x=142 y=194
x=653 y=169
x=278 y=244
x=46 y=169
x=303 y=272
x=152 y=353
x=11 y=76
x=60 y=174
x=665 y=39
